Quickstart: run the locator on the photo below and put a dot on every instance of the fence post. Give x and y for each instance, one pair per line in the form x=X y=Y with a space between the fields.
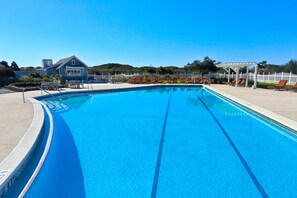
x=24 y=101
x=290 y=76
x=282 y=75
x=255 y=77
x=274 y=80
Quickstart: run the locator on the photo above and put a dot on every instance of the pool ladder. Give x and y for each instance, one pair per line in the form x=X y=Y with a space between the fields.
x=53 y=96
x=90 y=85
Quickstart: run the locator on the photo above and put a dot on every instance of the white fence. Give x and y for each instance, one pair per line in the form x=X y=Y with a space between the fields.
x=268 y=78
x=274 y=78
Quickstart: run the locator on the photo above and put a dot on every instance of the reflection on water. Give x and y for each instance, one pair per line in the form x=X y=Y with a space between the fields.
x=163 y=89
x=76 y=102
x=219 y=106
x=61 y=164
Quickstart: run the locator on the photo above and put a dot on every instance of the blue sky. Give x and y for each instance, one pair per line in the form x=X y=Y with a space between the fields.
x=148 y=32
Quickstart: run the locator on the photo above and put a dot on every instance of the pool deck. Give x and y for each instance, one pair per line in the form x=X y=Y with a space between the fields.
x=16 y=116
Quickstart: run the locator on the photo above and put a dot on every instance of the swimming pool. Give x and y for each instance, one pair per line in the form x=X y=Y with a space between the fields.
x=164 y=142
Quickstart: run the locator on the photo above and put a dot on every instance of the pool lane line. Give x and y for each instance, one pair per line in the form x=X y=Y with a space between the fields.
x=158 y=163
x=245 y=164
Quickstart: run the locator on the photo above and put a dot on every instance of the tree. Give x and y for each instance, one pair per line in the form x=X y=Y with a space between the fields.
x=204 y=67
x=208 y=65
x=148 y=69
x=262 y=66
x=4 y=63
x=274 y=68
x=14 y=66
x=35 y=75
x=111 y=68
x=291 y=66
x=6 y=73
x=161 y=70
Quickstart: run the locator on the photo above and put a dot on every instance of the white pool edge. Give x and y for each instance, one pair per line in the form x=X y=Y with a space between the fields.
x=281 y=120
x=12 y=165
x=44 y=154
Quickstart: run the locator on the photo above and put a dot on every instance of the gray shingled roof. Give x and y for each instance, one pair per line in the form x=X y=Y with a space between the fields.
x=63 y=61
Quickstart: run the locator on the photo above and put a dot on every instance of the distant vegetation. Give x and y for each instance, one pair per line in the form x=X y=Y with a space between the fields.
x=13 y=66
x=290 y=66
x=111 y=68
x=207 y=65
x=7 y=74
x=200 y=67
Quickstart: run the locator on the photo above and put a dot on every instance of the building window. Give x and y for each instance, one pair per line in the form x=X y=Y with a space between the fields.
x=74 y=72
x=73 y=62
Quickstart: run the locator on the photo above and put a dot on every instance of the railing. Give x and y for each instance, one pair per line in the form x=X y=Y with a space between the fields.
x=55 y=87
x=276 y=77
x=41 y=89
x=268 y=78
x=90 y=85
x=53 y=96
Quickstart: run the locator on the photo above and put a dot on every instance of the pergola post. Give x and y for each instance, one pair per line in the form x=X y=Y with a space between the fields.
x=255 y=77
x=247 y=76
x=236 y=66
x=237 y=76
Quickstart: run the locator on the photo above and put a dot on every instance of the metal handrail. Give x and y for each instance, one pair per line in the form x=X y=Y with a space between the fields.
x=50 y=94
x=50 y=85
x=40 y=88
x=90 y=84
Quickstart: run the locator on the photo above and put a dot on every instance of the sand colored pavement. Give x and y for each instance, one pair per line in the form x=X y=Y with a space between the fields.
x=15 y=119
x=283 y=103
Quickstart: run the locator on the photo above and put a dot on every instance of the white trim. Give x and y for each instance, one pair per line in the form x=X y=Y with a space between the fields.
x=264 y=112
x=84 y=65
x=13 y=164
x=74 y=71
x=236 y=64
x=44 y=154
x=263 y=120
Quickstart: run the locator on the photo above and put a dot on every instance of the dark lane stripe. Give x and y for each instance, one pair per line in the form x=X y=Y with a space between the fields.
x=246 y=166
x=158 y=164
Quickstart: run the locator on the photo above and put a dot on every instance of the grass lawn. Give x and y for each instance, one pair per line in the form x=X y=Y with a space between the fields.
x=264 y=85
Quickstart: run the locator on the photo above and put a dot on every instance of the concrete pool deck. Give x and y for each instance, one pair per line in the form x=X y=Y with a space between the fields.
x=16 y=116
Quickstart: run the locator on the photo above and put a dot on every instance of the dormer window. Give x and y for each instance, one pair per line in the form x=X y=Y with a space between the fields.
x=73 y=62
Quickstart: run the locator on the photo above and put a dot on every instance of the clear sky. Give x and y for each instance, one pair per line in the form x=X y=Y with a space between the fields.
x=148 y=32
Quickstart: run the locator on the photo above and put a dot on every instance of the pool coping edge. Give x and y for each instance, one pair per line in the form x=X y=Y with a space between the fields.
x=13 y=164
x=289 y=124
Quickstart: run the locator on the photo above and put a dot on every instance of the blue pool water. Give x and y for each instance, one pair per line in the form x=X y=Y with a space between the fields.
x=164 y=142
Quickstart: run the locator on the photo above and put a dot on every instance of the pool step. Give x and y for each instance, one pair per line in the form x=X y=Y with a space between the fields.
x=56 y=106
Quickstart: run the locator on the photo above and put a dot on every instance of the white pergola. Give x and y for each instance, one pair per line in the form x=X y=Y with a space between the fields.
x=235 y=66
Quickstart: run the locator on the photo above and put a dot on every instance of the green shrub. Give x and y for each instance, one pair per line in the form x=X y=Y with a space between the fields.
x=264 y=85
